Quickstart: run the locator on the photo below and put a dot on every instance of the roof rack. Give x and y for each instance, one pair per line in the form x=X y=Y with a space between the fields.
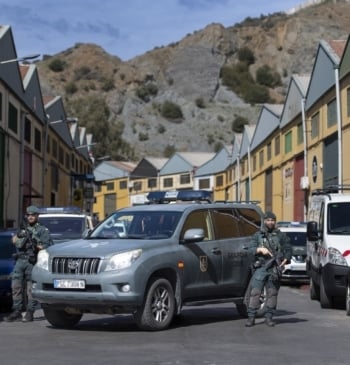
x=162 y=197
x=330 y=189
x=239 y=201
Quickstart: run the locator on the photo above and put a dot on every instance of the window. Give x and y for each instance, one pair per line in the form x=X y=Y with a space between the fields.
x=269 y=152
x=288 y=142
x=13 y=118
x=315 y=125
x=185 y=179
x=226 y=224
x=198 y=219
x=137 y=185
x=37 y=140
x=27 y=130
x=277 y=145
x=220 y=180
x=300 y=134
x=67 y=164
x=0 y=106
x=331 y=113
x=110 y=186
x=204 y=184
x=123 y=184
x=60 y=155
x=168 y=182
x=261 y=158
x=54 y=149
x=54 y=176
x=152 y=183
x=348 y=101
x=254 y=163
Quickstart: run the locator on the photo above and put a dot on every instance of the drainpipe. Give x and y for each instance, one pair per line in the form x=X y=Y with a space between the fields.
x=339 y=123
x=21 y=169
x=249 y=176
x=305 y=155
x=238 y=178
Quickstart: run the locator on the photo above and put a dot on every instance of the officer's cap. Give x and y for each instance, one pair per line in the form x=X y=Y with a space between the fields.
x=270 y=215
x=32 y=209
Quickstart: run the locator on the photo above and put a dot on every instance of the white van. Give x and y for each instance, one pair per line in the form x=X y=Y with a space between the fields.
x=328 y=248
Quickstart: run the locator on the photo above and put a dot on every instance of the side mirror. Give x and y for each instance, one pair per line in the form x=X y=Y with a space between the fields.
x=312 y=231
x=194 y=235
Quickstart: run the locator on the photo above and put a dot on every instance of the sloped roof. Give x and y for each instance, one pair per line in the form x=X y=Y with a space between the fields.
x=268 y=121
x=246 y=139
x=109 y=170
x=218 y=163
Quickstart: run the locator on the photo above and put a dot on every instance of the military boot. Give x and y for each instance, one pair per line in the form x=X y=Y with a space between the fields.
x=269 y=322
x=28 y=317
x=13 y=317
x=250 y=322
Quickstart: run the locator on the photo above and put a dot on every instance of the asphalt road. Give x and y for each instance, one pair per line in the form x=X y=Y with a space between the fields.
x=210 y=335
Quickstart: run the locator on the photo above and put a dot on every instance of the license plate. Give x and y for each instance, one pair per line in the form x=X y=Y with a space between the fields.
x=68 y=284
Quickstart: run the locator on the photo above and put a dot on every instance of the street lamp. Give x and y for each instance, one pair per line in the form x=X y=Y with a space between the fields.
x=20 y=59
x=67 y=120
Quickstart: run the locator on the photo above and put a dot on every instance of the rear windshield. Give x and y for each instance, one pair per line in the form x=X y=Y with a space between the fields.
x=64 y=227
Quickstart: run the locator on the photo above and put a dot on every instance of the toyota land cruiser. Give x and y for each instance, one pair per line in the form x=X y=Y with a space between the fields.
x=169 y=256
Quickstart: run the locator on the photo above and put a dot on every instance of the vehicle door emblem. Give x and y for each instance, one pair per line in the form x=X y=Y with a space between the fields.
x=203 y=263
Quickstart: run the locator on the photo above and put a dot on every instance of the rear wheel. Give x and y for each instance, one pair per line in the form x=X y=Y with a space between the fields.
x=158 y=309
x=325 y=299
x=60 y=318
x=314 y=290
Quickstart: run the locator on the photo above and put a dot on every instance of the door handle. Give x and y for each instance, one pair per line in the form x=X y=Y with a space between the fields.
x=216 y=251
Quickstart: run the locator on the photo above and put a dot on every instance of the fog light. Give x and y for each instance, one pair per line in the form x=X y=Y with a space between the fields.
x=125 y=288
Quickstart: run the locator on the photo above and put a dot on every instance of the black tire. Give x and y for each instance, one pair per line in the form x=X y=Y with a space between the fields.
x=158 y=308
x=347 y=298
x=325 y=299
x=242 y=309
x=262 y=308
x=314 y=290
x=60 y=318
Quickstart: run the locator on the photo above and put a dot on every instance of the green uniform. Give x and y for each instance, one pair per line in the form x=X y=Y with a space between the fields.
x=26 y=256
x=278 y=244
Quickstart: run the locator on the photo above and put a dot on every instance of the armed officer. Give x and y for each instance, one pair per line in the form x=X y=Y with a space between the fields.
x=272 y=251
x=29 y=240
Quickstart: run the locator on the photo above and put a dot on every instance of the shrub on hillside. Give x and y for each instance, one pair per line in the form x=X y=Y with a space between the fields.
x=171 y=111
x=57 y=65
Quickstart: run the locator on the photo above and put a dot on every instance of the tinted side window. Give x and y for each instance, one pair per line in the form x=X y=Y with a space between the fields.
x=199 y=219
x=226 y=223
x=250 y=221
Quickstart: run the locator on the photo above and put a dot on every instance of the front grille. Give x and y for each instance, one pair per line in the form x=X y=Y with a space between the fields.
x=75 y=265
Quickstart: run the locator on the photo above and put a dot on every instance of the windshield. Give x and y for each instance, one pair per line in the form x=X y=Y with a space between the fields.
x=142 y=225
x=297 y=238
x=339 y=218
x=64 y=228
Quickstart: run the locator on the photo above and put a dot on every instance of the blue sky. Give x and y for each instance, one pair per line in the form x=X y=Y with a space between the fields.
x=123 y=28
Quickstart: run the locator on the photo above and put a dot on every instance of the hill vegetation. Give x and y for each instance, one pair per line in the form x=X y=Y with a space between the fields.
x=190 y=95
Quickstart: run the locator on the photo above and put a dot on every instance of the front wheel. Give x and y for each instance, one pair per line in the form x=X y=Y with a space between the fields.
x=60 y=318
x=325 y=299
x=314 y=290
x=347 y=303
x=158 y=308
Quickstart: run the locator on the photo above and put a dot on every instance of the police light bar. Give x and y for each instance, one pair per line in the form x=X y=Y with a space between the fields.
x=179 y=195
x=59 y=210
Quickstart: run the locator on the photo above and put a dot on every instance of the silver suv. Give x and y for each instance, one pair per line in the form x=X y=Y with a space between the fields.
x=168 y=256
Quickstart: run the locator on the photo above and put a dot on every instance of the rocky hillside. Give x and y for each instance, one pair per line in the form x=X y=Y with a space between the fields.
x=174 y=98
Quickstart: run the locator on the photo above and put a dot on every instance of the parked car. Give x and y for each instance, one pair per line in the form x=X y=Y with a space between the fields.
x=295 y=272
x=65 y=223
x=166 y=257
x=7 y=262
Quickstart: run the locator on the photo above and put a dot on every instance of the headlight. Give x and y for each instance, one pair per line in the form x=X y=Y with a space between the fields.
x=123 y=260
x=43 y=260
x=335 y=257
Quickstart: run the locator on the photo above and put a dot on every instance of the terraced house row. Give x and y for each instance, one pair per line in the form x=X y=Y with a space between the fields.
x=44 y=154
x=291 y=150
